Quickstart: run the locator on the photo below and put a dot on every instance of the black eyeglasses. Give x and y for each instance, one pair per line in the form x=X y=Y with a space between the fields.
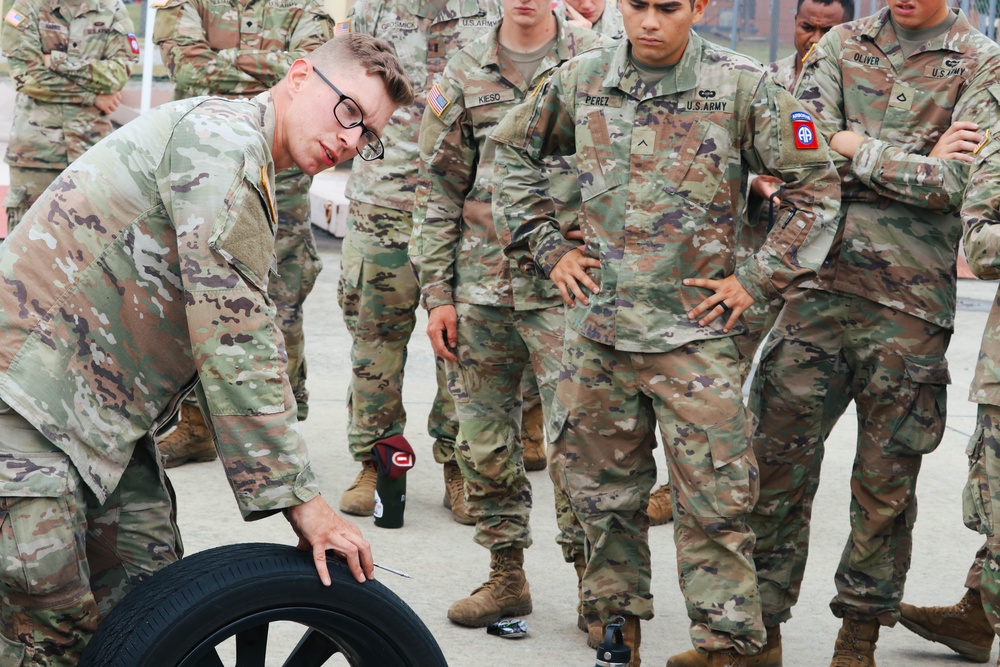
x=348 y=114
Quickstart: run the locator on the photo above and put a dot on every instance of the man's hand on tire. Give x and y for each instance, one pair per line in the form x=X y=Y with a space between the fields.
x=320 y=528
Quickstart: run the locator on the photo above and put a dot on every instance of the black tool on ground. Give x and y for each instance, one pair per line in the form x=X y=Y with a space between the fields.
x=393 y=458
x=613 y=652
x=509 y=628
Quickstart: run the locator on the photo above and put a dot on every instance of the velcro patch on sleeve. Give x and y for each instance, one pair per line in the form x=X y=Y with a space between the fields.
x=341 y=28
x=437 y=100
x=804 y=131
x=15 y=18
x=133 y=42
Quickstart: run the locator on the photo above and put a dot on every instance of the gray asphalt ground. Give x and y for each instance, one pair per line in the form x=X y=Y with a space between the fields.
x=446 y=564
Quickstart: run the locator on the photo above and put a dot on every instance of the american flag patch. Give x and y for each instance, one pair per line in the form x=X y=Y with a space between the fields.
x=437 y=100
x=341 y=28
x=14 y=18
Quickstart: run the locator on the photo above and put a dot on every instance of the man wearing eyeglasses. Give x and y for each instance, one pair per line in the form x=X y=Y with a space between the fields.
x=240 y=50
x=378 y=290
x=142 y=272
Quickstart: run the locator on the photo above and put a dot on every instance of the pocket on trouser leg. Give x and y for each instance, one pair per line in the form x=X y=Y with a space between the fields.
x=977 y=511
x=41 y=540
x=736 y=484
x=15 y=204
x=922 y=408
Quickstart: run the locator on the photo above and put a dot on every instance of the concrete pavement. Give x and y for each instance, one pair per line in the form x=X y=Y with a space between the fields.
x=446 y=564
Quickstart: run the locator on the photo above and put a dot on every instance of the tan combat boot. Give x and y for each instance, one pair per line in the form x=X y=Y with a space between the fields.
x=506 y=593
x=533 y=439
x=855 y=644
x=190 y=441
x=359 y=498
x=454 y=494
x=661 y=508
x=963 y=627
x=769 y=656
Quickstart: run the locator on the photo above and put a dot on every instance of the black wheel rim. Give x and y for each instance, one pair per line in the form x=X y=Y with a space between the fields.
x=325 y=634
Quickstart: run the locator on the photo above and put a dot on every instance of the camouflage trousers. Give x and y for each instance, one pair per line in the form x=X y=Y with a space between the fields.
x=495 y=346
x=298 y=265
x=825 y=350
x=67 y=560
x=982 y=488
x=603 y=431
x=26 y=186
x=379 y=295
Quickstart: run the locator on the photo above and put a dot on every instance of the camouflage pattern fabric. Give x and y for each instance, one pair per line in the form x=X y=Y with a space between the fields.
x=67 y=561
x=825 y=350
x=980 y=216
x=718 y=116
x=624 y=397
x=510 y=304
x=897 y=245
x=424 y=38
x=145 y=279
x=379 y=295
x=877 y=328
x=494 y=346
x=55 y=120
x=240 y=49
x=380 y=221
x=26 y=186
x=715 y=98
x=982 y=488
x=783 y=71
x=142 y=280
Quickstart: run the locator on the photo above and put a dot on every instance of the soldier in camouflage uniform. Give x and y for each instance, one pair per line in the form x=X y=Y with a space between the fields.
x=900 y=98
x=69 y=60
x=665 y=128
x=378 y=289
x=488 y=317
x=969 y=627
x=142 y=271
x=240 y=49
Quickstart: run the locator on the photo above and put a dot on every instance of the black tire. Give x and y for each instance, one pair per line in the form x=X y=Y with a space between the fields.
x=178 y=617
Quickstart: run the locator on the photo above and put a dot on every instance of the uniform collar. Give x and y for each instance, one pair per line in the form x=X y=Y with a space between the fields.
x=560 y=52
x=623 y=75
x=954 y=39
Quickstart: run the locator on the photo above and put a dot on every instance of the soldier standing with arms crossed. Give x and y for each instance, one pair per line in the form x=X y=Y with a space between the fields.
x=240 y=49
x=69 y=60
x=902 y=97
x=378 y=289
x=665 y=128
x=491 y=317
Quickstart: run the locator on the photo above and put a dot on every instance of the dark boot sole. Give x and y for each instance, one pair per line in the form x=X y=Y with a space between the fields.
x=968 y=650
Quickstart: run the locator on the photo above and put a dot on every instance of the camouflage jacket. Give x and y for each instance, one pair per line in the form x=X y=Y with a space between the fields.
x=899 y=237
x=236 y=48
x=456 y=247
x=783 y=71
x=663 y=175
x=92 y=51
x=424 y=39
x=143 y=269
x=981 y=218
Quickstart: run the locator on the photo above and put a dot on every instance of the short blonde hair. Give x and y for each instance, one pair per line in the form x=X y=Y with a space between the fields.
x=374 y=56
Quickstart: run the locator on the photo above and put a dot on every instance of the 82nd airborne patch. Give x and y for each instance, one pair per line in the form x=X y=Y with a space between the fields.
x=804 y=131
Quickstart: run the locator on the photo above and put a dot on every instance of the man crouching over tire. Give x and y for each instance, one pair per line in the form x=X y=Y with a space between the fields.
x=140 y=272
